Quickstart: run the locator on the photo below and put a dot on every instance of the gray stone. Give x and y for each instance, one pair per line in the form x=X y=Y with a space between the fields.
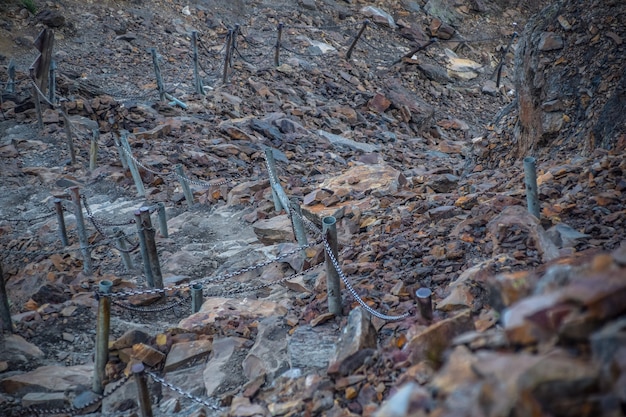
x=337 y=140
x=443 y=10
x=275 y=230
x=608 y=340
x=355 y=345
x=15 y=349
x=379 y=16
x=269 y=354
x=435 y=73
x=218 y=372
x=46 y=400
x=299 y=346
x=550 y=41
x=48 y=378
x=399 y=404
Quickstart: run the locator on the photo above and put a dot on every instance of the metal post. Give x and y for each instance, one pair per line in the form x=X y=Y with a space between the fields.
x=329 y=230
x=424 y=303
x=52 y=82
x=153 y=256
x=58 y=207
x=157 y=71
x=11 y=83
x=196 y=297
x=162 y=219
x=82 y=231
x=38 y=108
x=297 y=222
x=277 y=46
x=143 y=249
x=93 y=151
x=227 y=56
x=530 y=180
x=120 y=151
x=271 y=167
x=5 y=310
x=356 y=39
x=196 y=70
x=184 y=183
x=233 y=44
x=68 y=135
x=141 y=192
x=121 y=241
x=142 y=389
x=102 y=336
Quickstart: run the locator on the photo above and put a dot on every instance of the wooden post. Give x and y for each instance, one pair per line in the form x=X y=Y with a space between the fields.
x=356 y=39
x=40 y=68
x=142 y=389
x=196 y=70
x=93 y=150
x=5 y=311
x=277 y=46
x=333 y=286
x=102 y=337
x=157 y=72
x=153 y=256
x=143 y=249
x=82 y=231
x=58 y=207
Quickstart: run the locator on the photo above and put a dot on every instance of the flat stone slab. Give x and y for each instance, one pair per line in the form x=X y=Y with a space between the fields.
x=49 y=379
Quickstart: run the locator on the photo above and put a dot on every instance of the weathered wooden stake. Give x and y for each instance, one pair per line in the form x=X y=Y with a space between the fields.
x=68 y=135
x=142 y=389
x=277 y=46
x=102 y=337
x=143 y=249
x=82 y=231
x=184 y=183
x=141 y=192
x=196 y=67
x=5 y=310
x=333 y=286
x=93 y=150
x=157 y=72
x=153 y=256
x=58 y=208
x=530 y=181
x=356 y=39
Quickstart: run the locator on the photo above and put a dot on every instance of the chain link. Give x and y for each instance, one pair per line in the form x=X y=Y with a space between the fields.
x=180 y=391
x=55 y=252
x=44 y=216
x=150 y=309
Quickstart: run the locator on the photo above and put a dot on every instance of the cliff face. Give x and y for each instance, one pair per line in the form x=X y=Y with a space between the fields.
x=570 y=79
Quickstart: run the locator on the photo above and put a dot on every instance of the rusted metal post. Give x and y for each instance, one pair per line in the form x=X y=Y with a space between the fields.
x=277 y=46
x=271 y=168
x=141 y=192
x=196 y=68
x=233 y=44
x=143 y=249
x=196 y=297
x=424 y=303
x=333 y=286
x=102 y=336
x=5 y=310
x=530 y=181
x=153 y=256
x=58 y=208
x=68 y=135
x=297 y=222
x=162 y=219
x=82 y=231
x=157 y=72
x=356 y=39
x=120 y=151
x=184 y=183
x=142 y=389
x=121 y=241
x=93 y=150
x=227 y=56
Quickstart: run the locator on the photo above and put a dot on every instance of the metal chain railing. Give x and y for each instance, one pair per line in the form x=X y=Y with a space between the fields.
x=180 y=391
x=98 y=227
x=156 y=309
x=33 y=219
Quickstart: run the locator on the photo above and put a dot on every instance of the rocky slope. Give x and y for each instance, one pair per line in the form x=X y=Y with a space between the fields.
x=410 y=144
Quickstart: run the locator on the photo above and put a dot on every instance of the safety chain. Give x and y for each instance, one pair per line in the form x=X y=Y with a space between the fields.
x=98 y=225
x=353 y=292
x=174 y=388
x=150 y=309
x=45 y=216
x=55 y=252
x=72 y=411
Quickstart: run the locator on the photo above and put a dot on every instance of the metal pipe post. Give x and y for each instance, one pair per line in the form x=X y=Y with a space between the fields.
x=102 y=336
x=121 y=241
x=141 y=192
x=82 y=231
x=157 y=72
x=184 y=183
x=271 y=167
x=333 y=286
x=38 y=108
x=68 y=135
x=5 y=310
x=196 y=297
x=233 y=44
x=142 y=389
x=52 y=82
x=143 y=249
x=356 y=39
x=297 y=222
x=162 y=219
x=227 y=56
x=425 y=303
x=153 y=256
x=120 y=151
x=58 y=207
x=93 y=151
x=277 y=46
x=11 y=83
x=196 y=69
x=530 y=180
